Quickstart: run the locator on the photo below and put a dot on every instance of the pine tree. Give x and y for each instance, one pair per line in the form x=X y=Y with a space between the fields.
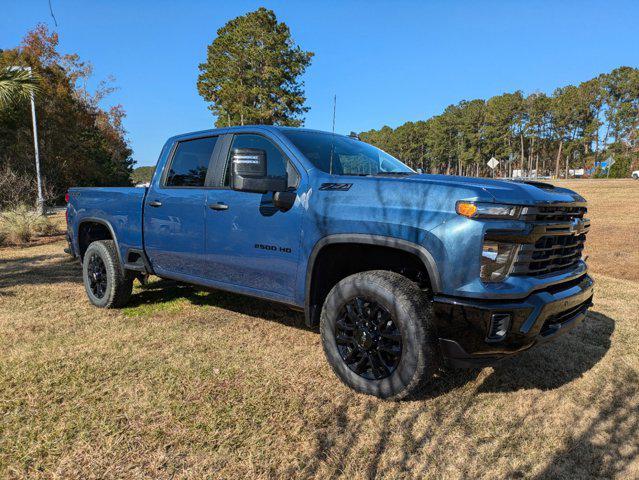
x=251 y=73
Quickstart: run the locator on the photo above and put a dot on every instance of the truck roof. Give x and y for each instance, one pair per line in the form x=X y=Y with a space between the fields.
x=240 y=128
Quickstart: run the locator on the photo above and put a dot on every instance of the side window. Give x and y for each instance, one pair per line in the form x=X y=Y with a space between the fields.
x=276 y=164
x=190 y=163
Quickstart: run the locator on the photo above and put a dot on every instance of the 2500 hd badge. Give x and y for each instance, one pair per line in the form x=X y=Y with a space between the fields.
x=273 y=248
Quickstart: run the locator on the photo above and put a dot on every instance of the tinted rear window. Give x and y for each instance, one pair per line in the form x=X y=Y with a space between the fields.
x=190 y=163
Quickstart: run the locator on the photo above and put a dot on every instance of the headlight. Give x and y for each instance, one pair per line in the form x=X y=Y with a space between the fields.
x=497 y=260
x=487 y=210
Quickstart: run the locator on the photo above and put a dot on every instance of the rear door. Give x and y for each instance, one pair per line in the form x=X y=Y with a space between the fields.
x=175 y=210
x=250 y=243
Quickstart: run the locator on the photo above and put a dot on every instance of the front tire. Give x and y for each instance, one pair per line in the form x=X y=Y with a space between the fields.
x=377 y=334
x=107 y=284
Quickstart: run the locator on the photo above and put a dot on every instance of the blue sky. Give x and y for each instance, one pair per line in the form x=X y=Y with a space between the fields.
x=387 y=62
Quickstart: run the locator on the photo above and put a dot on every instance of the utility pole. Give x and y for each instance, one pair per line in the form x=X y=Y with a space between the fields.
x=609 y=163
x=40 y=204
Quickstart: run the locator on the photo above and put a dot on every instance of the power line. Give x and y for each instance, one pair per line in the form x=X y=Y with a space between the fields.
x=52 y=15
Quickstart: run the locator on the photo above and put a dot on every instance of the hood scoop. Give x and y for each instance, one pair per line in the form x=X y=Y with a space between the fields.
x=542 y=185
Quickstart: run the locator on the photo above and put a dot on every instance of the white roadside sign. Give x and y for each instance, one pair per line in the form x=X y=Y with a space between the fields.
x=493 y=162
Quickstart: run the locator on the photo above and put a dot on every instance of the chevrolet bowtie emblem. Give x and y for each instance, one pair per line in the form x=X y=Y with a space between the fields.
x=577 y=226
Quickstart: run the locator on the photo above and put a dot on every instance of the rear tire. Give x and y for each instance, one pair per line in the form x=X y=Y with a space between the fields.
x=107 y=284
x=362 y=320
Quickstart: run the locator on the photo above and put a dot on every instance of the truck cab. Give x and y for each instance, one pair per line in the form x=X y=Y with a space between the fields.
x=402 y=271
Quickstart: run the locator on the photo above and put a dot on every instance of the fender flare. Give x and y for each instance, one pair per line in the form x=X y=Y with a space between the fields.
x=400 y=244
x=109 y=227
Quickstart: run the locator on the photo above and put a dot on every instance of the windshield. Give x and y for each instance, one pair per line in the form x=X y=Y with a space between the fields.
x=343 y=155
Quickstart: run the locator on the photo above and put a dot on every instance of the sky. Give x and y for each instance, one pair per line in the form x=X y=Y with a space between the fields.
x=387 y=62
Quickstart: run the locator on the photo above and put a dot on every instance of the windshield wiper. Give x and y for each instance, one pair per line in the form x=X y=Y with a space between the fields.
x=395 y=173
x=378 y=173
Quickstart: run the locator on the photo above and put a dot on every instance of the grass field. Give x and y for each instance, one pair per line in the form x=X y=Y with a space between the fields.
x=192 y=384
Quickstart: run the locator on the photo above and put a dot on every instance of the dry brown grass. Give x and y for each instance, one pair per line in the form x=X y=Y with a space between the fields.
x=613 y=241
x=22 y=225
x=192 y=384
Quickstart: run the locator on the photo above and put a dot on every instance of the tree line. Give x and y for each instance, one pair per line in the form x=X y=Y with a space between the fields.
x=81 y=143
x=576 y=127
x=251 y=75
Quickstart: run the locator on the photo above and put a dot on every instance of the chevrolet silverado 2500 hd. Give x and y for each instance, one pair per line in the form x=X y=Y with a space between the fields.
x=400 y=270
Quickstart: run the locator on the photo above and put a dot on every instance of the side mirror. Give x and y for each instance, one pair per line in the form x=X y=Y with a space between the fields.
x=249 y=172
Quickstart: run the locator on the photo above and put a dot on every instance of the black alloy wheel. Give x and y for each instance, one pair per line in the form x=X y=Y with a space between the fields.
x=97 y=275
x=107 y=283
x=368 y=340
x=377 y=334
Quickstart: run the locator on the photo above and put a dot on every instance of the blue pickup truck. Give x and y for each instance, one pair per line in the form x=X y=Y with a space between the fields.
x=403 y=272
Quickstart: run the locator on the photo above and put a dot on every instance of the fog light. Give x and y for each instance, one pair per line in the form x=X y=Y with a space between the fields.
x=499 y=325
x=497 y=260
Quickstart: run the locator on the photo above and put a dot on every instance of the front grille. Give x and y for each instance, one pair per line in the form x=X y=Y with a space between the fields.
x=554 y=214
x=556 y=241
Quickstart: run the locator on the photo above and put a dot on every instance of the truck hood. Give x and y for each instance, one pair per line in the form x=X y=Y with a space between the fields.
x=505 y=191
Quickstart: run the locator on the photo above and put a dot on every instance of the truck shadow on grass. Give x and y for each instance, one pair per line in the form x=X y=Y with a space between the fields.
x=440 y=431
x=156 y=295
x=554 y=364
x=38 y=270
x=422 y=432
x=544 y=367
x=426 y=421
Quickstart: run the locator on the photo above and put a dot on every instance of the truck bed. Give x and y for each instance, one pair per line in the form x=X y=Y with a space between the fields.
x=120 y=208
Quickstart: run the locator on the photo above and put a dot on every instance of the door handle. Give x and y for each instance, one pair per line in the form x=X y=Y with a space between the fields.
x=218 y=206
x=155 y=203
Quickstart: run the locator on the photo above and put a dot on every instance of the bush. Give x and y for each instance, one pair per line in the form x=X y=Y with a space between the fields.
x=19 y=225
x=44 y=227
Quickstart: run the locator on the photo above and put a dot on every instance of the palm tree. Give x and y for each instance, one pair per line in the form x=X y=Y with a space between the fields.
x=16 y=84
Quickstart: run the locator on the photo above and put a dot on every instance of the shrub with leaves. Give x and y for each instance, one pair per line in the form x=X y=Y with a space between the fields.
x=19 y=225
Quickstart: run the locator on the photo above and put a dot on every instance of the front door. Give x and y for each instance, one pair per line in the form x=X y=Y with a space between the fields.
x=250 y=243
x=175 y=210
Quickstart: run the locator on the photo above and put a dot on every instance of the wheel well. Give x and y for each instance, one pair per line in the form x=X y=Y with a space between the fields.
x=89 y=232
x=337 y=261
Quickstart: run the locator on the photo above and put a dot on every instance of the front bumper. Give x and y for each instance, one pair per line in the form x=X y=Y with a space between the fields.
x=463 y=324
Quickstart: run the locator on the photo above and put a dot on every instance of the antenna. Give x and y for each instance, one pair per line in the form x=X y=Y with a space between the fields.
x=334 y=108
x=330 y=165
